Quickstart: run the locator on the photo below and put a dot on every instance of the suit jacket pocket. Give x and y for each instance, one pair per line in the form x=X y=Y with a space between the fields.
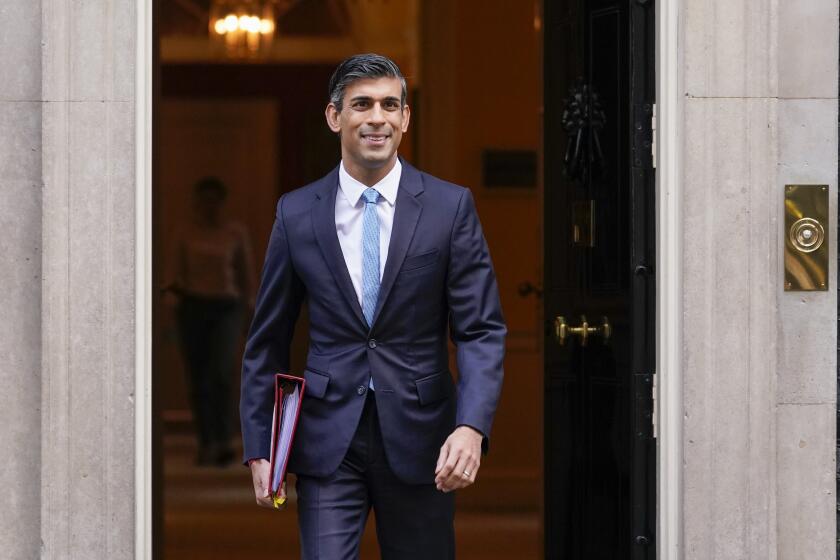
x=316 y=384
x=432 y=388
x=413 y=262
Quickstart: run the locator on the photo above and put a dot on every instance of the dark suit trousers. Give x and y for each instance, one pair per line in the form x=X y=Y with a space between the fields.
x=412 y=521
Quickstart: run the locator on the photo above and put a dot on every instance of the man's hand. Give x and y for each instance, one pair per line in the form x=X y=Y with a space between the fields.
x=459 y=459
x=259 y=474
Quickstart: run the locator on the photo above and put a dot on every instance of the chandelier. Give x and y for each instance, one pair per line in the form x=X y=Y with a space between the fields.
x=245 y=27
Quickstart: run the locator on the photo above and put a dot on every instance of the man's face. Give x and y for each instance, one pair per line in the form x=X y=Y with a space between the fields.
x=371 y=122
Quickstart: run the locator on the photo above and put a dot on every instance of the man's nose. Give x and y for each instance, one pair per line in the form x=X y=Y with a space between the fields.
x=376 y=115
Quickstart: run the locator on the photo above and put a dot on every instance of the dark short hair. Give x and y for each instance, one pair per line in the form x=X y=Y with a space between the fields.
x=359 y=67
x=211 y=185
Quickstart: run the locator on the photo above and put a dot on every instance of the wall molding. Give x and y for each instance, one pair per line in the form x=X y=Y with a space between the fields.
x=143 y=283
x=669 y=283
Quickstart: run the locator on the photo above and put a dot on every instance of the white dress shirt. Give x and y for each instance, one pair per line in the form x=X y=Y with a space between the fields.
x=349 y=214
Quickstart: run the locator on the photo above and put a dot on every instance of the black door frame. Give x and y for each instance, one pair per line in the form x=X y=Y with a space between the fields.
x=642 y=92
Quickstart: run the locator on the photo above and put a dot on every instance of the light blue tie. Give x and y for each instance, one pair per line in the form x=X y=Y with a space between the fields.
x=370 y=258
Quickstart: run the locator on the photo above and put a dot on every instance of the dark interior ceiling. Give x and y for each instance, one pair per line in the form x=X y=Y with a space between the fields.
x=295 y=17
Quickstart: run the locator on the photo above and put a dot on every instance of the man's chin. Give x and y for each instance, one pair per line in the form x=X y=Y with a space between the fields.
x=377 y=159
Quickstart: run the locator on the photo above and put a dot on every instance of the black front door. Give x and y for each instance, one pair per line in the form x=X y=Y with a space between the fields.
x=599 y=273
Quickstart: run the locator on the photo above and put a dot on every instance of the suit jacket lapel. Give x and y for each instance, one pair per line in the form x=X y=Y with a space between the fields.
x=406 y=214
x=323 y=222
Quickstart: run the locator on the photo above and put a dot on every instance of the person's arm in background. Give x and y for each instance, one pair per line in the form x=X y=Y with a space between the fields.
x=174 y=270
x=478 y=330
x=277 y=307
x=244 y=272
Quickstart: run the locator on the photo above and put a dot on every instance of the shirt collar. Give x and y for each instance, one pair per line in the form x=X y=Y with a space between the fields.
x=387 y=186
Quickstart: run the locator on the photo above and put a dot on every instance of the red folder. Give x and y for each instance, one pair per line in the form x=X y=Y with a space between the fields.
x=288 y=396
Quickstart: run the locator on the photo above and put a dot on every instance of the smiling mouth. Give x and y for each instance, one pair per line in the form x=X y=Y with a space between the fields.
x=375 y=139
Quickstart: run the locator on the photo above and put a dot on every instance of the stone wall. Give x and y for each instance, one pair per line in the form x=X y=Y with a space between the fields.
x=760 y=101
x=20 y=277
x=67 y=167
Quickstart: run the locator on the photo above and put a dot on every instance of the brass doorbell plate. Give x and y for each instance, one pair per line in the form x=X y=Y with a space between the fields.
x=806 y=239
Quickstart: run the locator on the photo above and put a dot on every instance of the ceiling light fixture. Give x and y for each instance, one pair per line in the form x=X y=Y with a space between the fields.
x=245 y=27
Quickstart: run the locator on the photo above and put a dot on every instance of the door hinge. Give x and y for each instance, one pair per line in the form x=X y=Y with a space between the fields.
x=653 y=134
x=654 y=420
x=643 y=126
x=645 y=407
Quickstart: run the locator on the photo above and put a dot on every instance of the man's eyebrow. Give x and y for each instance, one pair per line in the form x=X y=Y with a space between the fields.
x=369 y=98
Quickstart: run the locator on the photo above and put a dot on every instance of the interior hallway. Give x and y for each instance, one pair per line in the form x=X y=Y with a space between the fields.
x=259 y=127
x=211 y=514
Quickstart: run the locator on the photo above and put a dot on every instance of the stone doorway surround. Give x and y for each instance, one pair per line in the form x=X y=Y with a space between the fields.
x=747 y=392
x=758 y=87
x=68 y=229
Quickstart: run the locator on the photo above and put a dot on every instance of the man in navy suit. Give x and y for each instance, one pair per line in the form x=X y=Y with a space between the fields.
x=388 y=258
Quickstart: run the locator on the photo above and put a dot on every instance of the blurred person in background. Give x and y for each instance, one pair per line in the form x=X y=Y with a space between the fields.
x=212 y=290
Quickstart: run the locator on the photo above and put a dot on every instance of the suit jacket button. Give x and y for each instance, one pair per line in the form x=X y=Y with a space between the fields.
x=361 y=389
x=371 y=343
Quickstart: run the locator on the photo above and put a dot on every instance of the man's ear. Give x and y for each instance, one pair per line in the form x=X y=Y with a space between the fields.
x=333 y=118
x=406 y=117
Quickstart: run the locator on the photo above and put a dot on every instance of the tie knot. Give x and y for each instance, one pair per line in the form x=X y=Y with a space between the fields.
x=371 y=195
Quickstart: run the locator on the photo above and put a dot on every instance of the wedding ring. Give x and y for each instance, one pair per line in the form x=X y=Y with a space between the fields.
x=467 y=474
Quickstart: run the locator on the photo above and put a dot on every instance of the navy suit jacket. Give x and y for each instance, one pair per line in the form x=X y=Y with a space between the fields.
x=438 y=275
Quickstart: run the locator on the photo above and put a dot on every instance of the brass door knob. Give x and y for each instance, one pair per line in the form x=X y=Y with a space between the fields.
x=562 y=330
